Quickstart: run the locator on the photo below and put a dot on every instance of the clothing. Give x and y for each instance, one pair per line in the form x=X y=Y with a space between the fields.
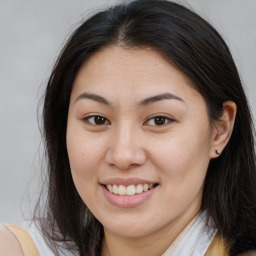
x=197 y=239
x=27 y=245
x=38 y=239
x=218 y=247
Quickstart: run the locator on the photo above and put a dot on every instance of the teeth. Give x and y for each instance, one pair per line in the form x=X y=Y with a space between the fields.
x=130 y=190
x=110 y=188
x=145 y=187
x=115 y=189
x=121 y=190
x=139 y=189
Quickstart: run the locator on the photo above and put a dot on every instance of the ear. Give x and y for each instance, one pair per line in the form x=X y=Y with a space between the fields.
x=223 y=128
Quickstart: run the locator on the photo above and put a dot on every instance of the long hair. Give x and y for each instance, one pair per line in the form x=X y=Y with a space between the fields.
x=194 y=47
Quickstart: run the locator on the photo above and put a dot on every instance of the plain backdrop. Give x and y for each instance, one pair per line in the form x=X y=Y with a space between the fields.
x=32 y=32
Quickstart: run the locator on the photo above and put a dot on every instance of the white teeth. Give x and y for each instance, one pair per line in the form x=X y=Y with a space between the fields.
x=139 y=189
x=115 y=189
x=121 y=190
x=130 y=190
x=145 y=187
x=109 y=187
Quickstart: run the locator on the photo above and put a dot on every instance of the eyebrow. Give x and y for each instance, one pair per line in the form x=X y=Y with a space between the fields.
x=147 y=101
x=94 y=97
x=156 y=98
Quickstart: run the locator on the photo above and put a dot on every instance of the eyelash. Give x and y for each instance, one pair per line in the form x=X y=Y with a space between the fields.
x=159 y=117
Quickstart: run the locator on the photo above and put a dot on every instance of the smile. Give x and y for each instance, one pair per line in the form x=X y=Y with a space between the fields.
x=130 y=190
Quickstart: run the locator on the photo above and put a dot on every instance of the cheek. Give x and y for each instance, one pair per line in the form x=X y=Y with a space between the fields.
x=85 y=153
x=183 y=160
x=182 y=175
x=83 y=150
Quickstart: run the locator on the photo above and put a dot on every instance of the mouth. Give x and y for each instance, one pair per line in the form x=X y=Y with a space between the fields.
x=130 y=190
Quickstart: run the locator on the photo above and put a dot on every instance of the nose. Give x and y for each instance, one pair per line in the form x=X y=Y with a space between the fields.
x=125 y=149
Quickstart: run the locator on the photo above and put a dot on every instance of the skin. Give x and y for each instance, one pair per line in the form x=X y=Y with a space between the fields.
x=9 y=245
x=129 y=143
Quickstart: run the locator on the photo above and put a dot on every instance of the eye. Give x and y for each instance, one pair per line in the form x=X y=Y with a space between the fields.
x=96 y=120
x=159 y=121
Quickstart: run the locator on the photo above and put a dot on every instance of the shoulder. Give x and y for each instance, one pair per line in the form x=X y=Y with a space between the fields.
x=36 y=230
x=9 y=245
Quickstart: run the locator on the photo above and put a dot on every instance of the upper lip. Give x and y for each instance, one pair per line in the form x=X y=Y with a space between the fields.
x=126 y=181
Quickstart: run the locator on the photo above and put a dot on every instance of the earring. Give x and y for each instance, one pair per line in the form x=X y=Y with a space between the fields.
x=217 y=152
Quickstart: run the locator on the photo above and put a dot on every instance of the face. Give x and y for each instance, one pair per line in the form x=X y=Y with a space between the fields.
x=139 y=142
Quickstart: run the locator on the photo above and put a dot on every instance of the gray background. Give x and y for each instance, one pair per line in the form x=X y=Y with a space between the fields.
x=32 y=33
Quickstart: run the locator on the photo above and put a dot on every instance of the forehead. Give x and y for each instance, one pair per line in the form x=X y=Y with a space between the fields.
x=138 y=73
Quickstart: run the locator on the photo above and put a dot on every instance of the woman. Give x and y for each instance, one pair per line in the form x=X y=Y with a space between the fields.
x=149 y=139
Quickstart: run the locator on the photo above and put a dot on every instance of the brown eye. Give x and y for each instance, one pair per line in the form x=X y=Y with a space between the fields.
x=97 y=120
x=159 y=121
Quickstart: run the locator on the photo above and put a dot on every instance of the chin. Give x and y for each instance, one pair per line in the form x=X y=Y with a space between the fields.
x=130 y=233
x=130 y=229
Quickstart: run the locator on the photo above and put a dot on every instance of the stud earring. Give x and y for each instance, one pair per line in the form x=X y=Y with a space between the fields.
x=217 y=152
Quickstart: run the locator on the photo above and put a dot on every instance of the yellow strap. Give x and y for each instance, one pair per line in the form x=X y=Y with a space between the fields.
x=218 y=247
x=26 y=242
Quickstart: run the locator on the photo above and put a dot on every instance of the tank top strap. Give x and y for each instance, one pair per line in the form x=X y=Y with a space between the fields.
x=26 y=242
x=218 y=247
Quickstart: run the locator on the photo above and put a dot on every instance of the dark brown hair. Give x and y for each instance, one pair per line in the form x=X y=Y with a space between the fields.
x=196 y=49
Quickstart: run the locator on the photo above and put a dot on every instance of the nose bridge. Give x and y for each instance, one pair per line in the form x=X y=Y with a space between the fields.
x=124 y=133
x=125 y=147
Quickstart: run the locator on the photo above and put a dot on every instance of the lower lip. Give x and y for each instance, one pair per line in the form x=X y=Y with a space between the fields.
x=127 y=201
